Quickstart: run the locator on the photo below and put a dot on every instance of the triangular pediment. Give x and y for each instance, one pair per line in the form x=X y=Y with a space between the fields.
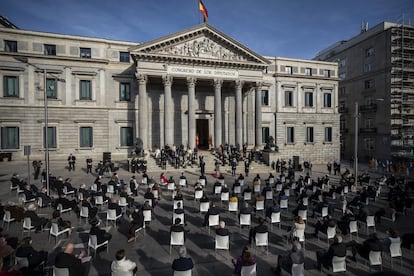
x=200 y=43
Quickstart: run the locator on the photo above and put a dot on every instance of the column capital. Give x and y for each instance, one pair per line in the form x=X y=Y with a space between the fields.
x=239 y=84
x=191 y=81
x=258 y=84
x=142 y=79
x=218 y=83
x=167 y=80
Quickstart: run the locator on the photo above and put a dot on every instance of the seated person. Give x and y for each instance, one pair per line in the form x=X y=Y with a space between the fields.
x=343 y=224
x=183 y=263
x=69 y=186
x=222 y=230
x=246 y=259
x=294 y=256
x=92 y=210
x=46 y=200
x=136 y=220
x=261 y=228
x=213 y=210
x=29 y=193
x=122 y=264
x=274 y=208
x=204 y=198
x=216 y=184
x=236 y=184
x=370 y=244
x=248 y=189
x=35 y=258
x=267 y=188
x=101 y=235
x=113 y=205
x=66 y=259
x=337 y=249
x=233 y=198
x=299 y=207
x=16 y=212
x=129 y=200
x=37 y=222
x=225 y=189
x=66 y=203
x=150 y=195
x=323 y=224
x=62 y=224
x=392 y=237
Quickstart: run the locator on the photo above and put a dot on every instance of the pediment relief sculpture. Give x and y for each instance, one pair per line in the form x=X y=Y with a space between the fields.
x=203 y=47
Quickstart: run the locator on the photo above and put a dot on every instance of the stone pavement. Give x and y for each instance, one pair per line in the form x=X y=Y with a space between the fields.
x=151 y=251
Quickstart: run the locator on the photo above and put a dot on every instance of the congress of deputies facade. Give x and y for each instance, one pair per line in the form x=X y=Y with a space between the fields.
x=103 y=94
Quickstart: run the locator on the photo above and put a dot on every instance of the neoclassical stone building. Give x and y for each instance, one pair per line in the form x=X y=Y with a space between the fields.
x=194 y=86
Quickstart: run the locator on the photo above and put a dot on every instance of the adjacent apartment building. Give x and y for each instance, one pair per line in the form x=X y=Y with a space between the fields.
x=376 y=72
x=194 y=86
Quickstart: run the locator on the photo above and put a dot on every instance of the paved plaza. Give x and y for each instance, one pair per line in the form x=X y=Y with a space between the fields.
x=151 y=251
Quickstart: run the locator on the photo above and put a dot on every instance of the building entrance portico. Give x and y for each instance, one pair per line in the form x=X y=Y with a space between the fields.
x=200 y=69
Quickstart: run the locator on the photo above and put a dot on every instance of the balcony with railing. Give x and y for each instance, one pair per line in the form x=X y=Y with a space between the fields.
x=368 y=108
x=368 y=130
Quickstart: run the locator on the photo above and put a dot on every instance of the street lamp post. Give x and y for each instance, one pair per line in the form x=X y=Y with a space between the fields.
x=46 y=131
x=356 y=143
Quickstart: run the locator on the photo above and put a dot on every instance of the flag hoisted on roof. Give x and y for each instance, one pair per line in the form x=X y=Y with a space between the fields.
x=203 y=10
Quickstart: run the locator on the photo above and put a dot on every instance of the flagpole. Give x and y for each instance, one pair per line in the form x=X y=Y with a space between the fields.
x=198 y=11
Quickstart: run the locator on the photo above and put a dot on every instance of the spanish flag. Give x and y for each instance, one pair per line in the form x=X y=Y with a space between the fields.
x=203 y=10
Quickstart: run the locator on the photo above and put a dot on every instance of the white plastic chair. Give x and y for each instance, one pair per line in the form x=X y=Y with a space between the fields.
x=353 y=228
x=180 y=216
x=305 y=201
x=202 y=182
x=57 y=271
x=269 y=195
x=222 y=242
x=224 y=196
x=323 y=213
x=279 y=187
x=54 y=231
x=198 y=194
x=247 y=196
x=262 y=239
x=99 y=201
x=338 y=264
x=330 y=233
x=395 y=251
x=139 y=230
x=248 y=270
x=183 y=182
x=111 y=216
x=256 y=188
x=237 y=190
x=260 y=206
x=303 y=214
x=175 y=204
x=300 y=234
x=275 y=218
x=62 y=210
x=155 y=193
x=217 y=190
x=84 y=213
x=7 y=218
x=233 y=206
x=245 y=219
x=298 y=269
x=122 y=202
x=370 y=223
x=213 y=220
x=21 y=262
x=27 y=225
x=375 y=259
x=176 y=238
x=183 y=273
x=147 y=215
x=66 y=192
x=93 y=243
x=284 y=204
x=204 y=206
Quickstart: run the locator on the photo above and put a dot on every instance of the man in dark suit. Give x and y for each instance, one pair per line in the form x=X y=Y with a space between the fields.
x=222 y=231
x=337 y=249
x=67 y=259
x=36 y=221
x=261 y=228
x=183 y=263
x=113 y=205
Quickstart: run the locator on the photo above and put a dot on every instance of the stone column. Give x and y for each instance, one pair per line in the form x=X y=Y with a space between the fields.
x=168 y=112
x=239 y=113
x=143 y=113
x=191 y=82
x=217 y=112
x=258 y=115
